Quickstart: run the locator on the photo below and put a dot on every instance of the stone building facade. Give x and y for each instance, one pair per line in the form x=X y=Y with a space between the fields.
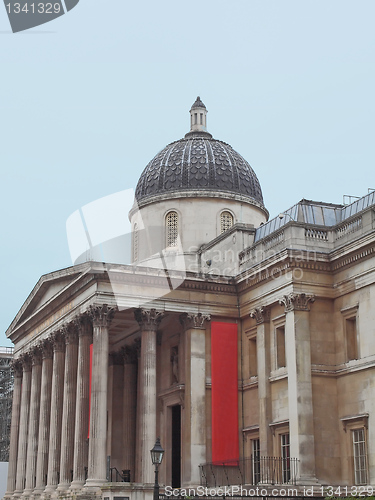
x=260 y=361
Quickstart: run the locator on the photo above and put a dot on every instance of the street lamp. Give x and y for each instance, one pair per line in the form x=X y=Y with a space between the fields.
x=157 y=454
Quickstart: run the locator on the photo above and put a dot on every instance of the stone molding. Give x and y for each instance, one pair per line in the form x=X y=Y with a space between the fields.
x=297 y=302
x=261 y=314
x=148 y=319
x=194 y=321
x=101 y=315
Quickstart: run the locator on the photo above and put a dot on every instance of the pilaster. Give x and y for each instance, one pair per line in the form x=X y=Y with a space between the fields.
x=301 y=418
x=262 y=316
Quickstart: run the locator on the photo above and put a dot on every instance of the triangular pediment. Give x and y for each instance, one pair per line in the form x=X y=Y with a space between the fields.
x=49 y=287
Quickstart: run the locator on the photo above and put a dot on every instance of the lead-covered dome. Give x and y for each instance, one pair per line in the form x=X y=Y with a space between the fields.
x=200 y=164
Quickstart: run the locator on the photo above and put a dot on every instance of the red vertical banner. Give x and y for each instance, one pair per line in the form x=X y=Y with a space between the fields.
x=91 y=350
x=224 y=391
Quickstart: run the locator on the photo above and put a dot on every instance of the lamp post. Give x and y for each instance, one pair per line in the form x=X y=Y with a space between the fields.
x=157 y=454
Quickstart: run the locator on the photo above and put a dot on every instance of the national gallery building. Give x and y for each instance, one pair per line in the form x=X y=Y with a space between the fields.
x=246 y=344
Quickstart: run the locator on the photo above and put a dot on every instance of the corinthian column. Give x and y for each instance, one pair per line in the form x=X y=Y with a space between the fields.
x=24 y=424
x=82 y=403
x=262 y=317
x=149 y=321
x=44 y=417
x=101 y=318
x=195 y=395
x=56 y=412
x=68 y=416
x=14 y=428
x=301 y=421
x=32 y=436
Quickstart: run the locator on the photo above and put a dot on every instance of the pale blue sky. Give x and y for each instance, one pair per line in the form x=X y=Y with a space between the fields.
x=88 y=99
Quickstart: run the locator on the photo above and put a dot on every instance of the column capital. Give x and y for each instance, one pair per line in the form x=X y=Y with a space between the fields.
x=25 y=359
x=148 y=319
x=261 y=314
x=16 y=366
x=47 y=349
x=58 y=341
x=129 y=354
x=36 y=355
x=83 y=325
x=297 y=302
x=137 y=347
x=70 y=331
x=101 y=315
x=194 y=321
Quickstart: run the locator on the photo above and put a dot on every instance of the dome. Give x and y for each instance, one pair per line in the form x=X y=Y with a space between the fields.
x=199 y=164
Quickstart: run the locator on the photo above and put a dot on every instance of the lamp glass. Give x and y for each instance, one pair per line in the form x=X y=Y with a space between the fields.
x=157 y=453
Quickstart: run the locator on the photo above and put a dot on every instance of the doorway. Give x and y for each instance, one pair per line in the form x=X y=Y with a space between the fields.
x=176 y=446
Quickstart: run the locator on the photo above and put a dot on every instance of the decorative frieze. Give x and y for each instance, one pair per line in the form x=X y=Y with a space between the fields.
x=194 y=321
x=261 y=314
x=297 y=302
x=101 y=315
x=148 y=319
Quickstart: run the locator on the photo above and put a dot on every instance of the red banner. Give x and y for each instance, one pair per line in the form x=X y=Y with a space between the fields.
x=224 y=377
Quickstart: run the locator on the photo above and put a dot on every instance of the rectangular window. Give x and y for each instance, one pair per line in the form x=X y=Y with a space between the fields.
x=255 y=463
x=253 y=363
x=360 y=456
x=201 y=118
x=351 y=338
x=195 y=118
x=280 y=347
x=285 y=457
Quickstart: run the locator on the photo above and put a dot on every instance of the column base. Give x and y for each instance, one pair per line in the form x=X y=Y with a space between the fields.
x=76 y=485
x=63 y=486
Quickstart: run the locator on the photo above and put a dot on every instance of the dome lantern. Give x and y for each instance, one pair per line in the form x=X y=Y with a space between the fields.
x=198 y=116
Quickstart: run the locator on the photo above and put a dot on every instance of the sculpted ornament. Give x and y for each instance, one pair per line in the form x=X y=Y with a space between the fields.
x=261 y=314
x=297 y=302
x=194 y=321
x=25 y=359
x=70 y=333
x=16 y=366
x=36 y=355
x=58 y=342
x=47 y=349
x=101 y=315
x=148 y=319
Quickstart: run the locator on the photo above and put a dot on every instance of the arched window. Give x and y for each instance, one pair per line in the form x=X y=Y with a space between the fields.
x=171 y=223
x=226 y=221
x=135 y=242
